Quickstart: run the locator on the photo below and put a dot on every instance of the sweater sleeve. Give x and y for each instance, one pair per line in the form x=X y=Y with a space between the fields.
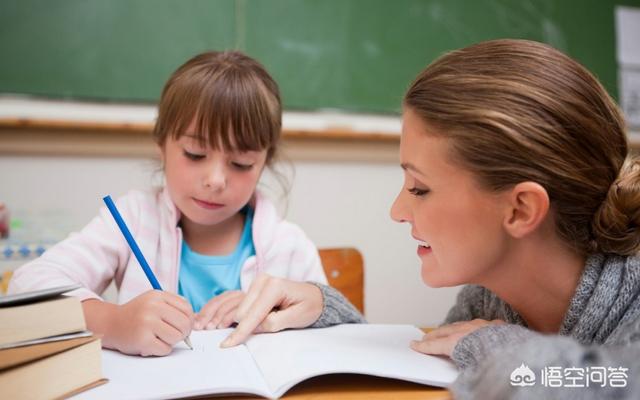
x=336 y=309
x=490 y=355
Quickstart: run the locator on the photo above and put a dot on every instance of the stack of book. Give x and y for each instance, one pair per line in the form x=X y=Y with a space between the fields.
x=45 y=350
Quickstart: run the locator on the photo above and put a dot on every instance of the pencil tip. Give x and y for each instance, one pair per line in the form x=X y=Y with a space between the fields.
x=188 y=342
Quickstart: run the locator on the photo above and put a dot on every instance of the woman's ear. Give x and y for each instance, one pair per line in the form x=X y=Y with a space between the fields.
x=528 y=207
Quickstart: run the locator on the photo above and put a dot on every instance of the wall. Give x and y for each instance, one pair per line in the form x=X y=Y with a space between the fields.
x=337 y=203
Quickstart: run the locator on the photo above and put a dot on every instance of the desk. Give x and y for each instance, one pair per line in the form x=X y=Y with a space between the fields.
x=360 y=387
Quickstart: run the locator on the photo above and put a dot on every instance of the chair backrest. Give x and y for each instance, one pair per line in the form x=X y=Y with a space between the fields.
x=344 y=268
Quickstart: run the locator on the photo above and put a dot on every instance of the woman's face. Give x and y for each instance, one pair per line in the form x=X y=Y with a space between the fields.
x=458 y=225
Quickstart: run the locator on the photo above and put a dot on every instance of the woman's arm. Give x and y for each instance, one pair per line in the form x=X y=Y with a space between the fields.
x=491 y=354
x=336 y=309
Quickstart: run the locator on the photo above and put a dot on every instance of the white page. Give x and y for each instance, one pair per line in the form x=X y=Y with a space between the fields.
x=207 y=369
x=288 y=357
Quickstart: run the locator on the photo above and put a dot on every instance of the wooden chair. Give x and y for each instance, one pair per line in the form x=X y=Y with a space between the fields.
x=344 y=268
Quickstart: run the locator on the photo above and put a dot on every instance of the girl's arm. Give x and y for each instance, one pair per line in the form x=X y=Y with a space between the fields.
x=490 y=355
x=91 y=257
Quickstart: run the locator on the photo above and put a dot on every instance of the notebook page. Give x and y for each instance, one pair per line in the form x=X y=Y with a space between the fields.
x=207 y=369
x=289 y=357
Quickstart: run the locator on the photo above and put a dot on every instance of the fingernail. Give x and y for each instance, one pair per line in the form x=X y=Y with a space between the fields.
x=197 y=325
x=226 y=343
x=211 y=325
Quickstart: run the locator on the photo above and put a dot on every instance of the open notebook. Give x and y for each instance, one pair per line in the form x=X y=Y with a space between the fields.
x=270 y=364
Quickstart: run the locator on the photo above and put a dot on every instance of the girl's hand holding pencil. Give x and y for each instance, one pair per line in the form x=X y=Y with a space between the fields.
x=152 y=323
x=148 y=325
x=155 y=310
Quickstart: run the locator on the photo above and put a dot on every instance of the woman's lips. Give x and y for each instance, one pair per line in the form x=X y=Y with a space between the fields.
x=423 y=250
x=207 y=205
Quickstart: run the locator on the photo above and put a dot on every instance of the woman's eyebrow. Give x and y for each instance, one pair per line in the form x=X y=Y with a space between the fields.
x=411 y=167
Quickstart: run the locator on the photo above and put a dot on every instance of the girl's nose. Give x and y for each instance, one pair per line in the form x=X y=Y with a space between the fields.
x=215 y=178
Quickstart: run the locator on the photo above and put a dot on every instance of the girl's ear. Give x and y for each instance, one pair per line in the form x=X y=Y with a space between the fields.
x=528 y=207
x=160 y=153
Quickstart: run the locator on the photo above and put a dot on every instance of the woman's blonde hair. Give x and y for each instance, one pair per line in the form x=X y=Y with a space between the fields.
x=235 y=101
x=518 y=110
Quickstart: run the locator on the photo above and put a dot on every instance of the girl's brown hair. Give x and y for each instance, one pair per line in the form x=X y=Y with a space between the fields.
x=517 y=110
x=233 y=98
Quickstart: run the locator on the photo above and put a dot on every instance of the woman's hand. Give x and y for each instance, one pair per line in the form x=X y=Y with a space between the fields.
x=220 y=311
x=273 y=304
x=443 y=340
x=148 y=325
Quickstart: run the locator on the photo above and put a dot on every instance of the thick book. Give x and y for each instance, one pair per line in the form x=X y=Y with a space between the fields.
x=270 y=364
x=12 y=355
x=51 y=370
x=39 y=314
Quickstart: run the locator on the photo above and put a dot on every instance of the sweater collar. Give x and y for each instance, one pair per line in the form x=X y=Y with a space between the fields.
x=607 y=289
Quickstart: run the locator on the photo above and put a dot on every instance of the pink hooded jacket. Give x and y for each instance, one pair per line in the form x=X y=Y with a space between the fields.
x=99 y=253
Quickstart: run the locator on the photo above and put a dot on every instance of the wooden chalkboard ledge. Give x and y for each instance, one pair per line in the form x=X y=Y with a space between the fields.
x=20 y=136
x=40 y=127
x=34 y=126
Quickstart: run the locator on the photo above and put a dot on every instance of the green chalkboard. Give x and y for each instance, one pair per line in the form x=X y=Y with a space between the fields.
x=356 y=55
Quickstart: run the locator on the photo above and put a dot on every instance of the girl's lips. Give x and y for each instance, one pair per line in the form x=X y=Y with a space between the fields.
x=207 y=205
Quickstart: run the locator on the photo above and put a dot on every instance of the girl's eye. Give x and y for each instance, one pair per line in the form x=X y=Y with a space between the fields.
x=193 y=156
x=418 y=192
x=242 y=167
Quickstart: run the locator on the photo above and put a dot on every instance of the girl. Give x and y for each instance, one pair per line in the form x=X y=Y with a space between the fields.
x=206 y=234
x=518 y=183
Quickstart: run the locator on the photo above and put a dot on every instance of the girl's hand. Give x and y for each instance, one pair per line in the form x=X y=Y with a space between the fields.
x=273 y=304
x=443 y=340
x=150 y=324
x=220 y=311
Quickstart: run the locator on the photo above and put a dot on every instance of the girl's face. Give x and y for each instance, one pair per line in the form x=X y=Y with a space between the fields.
x=458 y=225
x=209 y=186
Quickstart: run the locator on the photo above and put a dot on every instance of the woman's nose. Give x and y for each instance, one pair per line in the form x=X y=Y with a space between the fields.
x=399 y=212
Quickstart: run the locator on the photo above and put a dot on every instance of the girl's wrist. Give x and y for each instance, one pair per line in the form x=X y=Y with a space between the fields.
x=102 y=318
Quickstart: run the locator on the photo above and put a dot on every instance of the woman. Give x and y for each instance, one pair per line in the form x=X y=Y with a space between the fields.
x=519 y=184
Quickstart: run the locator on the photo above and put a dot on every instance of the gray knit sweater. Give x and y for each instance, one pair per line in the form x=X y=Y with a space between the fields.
x=601 y=329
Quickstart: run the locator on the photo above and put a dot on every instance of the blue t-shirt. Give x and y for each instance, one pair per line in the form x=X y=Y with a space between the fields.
x=203 y=277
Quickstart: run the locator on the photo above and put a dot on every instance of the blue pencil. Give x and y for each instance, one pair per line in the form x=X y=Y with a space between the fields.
x=135 y=249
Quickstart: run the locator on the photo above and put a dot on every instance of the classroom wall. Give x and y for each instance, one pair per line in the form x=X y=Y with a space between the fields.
x=336 y=203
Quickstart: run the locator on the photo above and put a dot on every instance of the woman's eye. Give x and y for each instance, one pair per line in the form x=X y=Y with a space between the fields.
x=418 y=192
x=242 y=167
x=193 y=156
